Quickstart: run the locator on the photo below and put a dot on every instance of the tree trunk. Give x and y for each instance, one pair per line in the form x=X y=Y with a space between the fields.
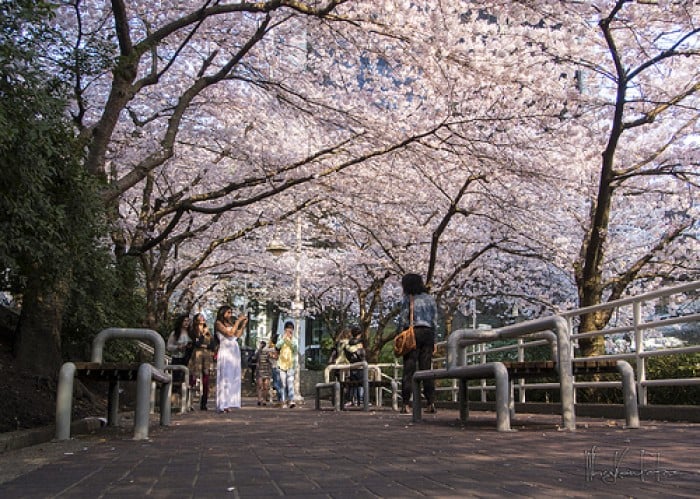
x=37 y=345
x=590 y=347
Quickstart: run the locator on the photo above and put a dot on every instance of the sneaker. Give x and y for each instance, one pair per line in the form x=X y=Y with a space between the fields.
x=292 y=405
x=431 y=409
x=284 y=405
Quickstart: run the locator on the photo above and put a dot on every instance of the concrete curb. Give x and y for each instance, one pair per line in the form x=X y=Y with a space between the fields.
x=25 y=438
x=677 y=413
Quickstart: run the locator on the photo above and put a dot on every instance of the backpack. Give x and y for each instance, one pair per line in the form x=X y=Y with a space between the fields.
x=357 y=355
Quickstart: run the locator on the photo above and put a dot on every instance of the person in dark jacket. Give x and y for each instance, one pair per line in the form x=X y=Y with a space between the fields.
x=425 y=327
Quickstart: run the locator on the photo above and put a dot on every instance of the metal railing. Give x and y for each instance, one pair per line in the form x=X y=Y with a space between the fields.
x=628 y=323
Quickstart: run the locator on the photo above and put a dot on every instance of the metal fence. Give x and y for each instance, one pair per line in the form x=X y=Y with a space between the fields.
x=665 y=322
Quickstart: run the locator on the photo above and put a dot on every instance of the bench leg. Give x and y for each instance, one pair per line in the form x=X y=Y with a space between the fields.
x=165 y=404
x=335 y=395
x=417 y=409
x=113 y=403
x=463 y=401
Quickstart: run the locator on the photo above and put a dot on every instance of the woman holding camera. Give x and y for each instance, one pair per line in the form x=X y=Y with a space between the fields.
x=228 y=364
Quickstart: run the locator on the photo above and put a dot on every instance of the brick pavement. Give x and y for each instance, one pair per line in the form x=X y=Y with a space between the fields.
x=261 y=452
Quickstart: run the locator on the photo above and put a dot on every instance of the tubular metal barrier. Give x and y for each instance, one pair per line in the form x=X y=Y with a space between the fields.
x=146 y=374
x=494 y=370
x=143 y=374
x=377 y=383
x=185 y=392
x=458 y=340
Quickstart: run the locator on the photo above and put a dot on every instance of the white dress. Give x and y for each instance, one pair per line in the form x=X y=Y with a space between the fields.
x=228 y=374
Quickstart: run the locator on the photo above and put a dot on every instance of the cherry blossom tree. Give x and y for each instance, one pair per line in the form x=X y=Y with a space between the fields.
x=592 y=80
x=461 y=140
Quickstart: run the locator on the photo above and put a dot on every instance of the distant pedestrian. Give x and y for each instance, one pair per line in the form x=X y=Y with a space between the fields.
x=339 y=358
x=273 y=356
x=253 y=364
x=180 y=347
x=264 y=372
x=355 y=352
x=202 y=359
x=228 y=369
x=287 y=363
x=425 y=325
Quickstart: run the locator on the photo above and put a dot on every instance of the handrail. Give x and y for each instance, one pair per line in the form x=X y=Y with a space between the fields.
x=659 y=293
x=637 y=326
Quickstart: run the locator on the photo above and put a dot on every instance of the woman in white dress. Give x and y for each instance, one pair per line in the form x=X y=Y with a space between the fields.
x=228 y=364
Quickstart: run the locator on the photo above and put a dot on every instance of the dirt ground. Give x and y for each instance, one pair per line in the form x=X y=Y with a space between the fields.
x=27 y=401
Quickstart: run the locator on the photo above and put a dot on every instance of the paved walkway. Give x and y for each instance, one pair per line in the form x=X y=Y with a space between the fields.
x=263 y=451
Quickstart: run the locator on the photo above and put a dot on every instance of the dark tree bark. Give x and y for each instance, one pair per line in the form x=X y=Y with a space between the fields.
x=37 y=345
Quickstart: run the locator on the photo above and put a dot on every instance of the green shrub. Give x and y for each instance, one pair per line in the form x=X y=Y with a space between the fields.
x=674 y=367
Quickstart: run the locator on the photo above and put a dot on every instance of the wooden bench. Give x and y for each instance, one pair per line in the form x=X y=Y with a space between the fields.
x=339 y=387
x=144 y=374
x=494 y=370
x=548 y=367
x=97 y=371
x=584 y=367
x=356 y=383
x=532 y=369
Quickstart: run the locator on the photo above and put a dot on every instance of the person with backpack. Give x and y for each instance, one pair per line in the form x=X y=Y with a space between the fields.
x=346 y=353
x=355 y=352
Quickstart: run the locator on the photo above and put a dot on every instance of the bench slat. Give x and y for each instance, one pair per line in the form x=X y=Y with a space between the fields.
x=107 y=371
x=543 y=368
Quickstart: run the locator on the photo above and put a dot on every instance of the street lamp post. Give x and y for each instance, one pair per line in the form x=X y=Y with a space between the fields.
x=298 y=311
x=277 y=248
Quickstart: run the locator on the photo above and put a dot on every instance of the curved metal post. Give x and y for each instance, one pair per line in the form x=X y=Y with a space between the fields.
x=140 y=334
x=166 y=389
x=145 y=374
x=64 y=400
x=365 y=385
x=456 y=356
x=336 y=396
x=185 y=395
x=629 y=394
x=394 y=395
x=143 y=394
x=502 y=397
